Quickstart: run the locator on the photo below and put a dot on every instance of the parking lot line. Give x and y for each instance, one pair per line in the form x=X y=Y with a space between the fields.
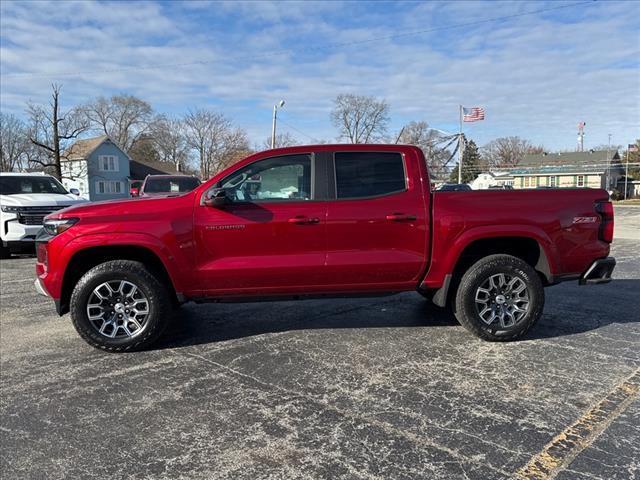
x=567 y=445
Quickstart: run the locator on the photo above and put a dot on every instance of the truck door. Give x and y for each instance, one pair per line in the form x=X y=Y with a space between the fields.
x=270 y=235
x=377 y=223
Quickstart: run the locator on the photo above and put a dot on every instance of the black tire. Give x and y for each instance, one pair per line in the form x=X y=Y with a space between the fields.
x=479 y=275
x=159 y=305
x=4 y=251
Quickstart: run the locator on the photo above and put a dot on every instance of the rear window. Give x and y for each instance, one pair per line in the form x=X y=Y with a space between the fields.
x=170 y=185
x=368 y=174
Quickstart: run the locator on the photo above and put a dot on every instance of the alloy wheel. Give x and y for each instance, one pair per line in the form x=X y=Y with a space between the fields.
x=118 y=309
x=502 y=298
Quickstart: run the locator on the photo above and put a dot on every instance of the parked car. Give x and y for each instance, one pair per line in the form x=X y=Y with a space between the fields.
x=454 y=187
x=163 y=185
x=25 y=199
x=321 y=220
x=134 y=188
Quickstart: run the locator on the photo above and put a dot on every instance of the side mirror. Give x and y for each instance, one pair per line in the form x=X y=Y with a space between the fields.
x=134 y=192
x=217 y=198
x=74 y=191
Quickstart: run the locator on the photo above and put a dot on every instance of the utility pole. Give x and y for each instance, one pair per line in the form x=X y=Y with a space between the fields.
x=460 y=147
x=626 y=174
x=273 y=123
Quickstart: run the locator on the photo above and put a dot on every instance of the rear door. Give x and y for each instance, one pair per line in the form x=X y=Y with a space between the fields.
x=270 y=237
x=377 y=222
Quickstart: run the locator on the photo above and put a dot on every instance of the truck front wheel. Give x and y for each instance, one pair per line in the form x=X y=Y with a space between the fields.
x=119 y=306
x=499 y=298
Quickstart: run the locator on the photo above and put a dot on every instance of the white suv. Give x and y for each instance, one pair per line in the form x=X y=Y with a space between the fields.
x=25 y=199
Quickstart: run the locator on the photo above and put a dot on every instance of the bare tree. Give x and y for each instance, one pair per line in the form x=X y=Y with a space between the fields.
x=359 y=118
x=507 y=152
x=14 y=142
x=170 y=141
x=282 y=140
x=214 y=139
x=51 y=131
x=124 y=118
x=430 y=142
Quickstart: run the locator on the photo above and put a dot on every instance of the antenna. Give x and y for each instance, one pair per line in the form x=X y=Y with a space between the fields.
x=581 y=126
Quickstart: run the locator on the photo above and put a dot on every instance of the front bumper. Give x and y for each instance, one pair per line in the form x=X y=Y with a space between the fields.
x=40 y=288
x=599 y=272
x=14 y=232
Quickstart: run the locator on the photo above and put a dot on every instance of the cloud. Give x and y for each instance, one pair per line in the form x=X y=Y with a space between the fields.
x=536 y=76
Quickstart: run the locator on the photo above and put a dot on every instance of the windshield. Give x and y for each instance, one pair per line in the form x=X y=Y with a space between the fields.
x=13 y=185
x=170 y=185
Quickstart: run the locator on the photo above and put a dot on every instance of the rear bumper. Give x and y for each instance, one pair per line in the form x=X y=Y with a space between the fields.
x=599 y=272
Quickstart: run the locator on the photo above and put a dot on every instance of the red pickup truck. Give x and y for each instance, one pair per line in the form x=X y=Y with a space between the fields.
x=325 y=220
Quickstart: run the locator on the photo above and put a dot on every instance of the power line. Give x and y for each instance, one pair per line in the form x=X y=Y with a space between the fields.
x=298 y=130
x=292 y=50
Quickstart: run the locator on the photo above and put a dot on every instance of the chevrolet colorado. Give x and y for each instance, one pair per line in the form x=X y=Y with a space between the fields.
x=321 y=220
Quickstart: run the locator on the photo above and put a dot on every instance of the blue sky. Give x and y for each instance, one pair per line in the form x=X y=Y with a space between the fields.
x=536 y=75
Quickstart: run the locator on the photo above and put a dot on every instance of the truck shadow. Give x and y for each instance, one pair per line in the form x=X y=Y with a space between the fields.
x=207 y=323
x=569 y=310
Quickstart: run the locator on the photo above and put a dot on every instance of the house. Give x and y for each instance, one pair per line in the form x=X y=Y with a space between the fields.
x=492 y=179
x=98 y=168
x=590 y=169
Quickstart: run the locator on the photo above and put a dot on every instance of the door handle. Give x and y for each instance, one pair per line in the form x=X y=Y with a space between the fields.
x=300 y=220
x=401 y=217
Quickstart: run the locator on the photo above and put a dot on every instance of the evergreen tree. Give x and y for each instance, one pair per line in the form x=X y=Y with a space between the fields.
x=470 y=164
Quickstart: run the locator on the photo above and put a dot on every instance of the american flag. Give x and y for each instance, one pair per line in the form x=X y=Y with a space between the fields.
x=632 y=147
x=472 y=114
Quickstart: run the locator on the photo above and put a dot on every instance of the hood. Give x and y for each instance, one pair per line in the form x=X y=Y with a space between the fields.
x=41 y=199
x=116 y=207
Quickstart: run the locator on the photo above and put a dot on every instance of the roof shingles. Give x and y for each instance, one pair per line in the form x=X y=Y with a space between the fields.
x=569 y=162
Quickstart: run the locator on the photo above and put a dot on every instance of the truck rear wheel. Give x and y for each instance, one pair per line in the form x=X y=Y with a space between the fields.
x=499 y=298
x=119 y=306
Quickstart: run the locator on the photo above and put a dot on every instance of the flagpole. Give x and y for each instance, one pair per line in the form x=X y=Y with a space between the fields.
x=460 y=149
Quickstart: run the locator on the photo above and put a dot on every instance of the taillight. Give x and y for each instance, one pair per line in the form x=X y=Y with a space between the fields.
x=605 y=209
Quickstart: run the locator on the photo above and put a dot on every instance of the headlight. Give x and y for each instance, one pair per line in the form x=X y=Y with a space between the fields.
x=9 y=209
x=56 y=227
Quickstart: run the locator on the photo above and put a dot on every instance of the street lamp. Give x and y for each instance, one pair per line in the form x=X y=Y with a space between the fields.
x=280 y=104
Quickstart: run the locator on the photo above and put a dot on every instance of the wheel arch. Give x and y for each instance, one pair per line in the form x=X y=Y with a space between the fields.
x=530 y=248
x=84 y=260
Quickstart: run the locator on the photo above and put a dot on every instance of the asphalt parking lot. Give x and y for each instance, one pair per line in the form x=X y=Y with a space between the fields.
x=386 y=388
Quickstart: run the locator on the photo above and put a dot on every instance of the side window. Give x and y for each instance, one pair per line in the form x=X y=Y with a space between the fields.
x=272 y=179
x=368 y=174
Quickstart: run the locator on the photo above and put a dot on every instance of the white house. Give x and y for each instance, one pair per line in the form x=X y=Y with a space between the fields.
x=491 y=179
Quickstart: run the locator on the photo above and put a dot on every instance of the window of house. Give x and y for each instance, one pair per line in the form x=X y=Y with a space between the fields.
x=526 y=182
x=272 y=179
x=106 y=187
x=580 y=181
x=108 y=163
x=553 y=181
x=368 y=174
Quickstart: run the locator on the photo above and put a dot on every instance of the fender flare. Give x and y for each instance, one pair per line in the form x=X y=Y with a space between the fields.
x=546 y=263
x=124 y=239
